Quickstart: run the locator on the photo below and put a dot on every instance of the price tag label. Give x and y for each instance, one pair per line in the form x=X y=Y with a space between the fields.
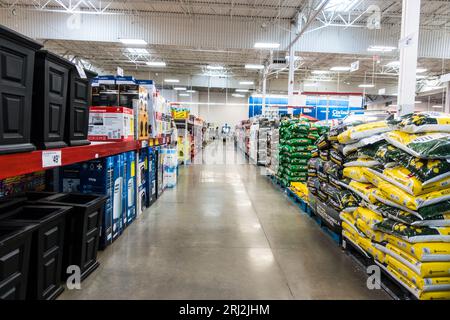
x=51 y=159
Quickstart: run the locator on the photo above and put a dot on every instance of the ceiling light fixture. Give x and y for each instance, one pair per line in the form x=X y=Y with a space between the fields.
x=237 y=95
x=184 y=94
x=246 y=82
x=139 y=51
x=133 y=41
x=310 y=84
x=366 y=85
x=393 y=64
x=320 y=71
x=436 y=107
x=266 y=45
x=171 y=80
x=420 y=70
x=156 y=63
x=191 y=91
x=417 y=101
x=241 y=90
x=381 y=49
x=214 y=67
x=179 y=88
x=340 y=69
x=254 y=66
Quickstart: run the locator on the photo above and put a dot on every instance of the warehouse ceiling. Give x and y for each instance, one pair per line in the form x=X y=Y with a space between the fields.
x=184 y=58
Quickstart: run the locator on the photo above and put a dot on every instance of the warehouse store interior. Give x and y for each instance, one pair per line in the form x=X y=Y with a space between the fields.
x=225 y=150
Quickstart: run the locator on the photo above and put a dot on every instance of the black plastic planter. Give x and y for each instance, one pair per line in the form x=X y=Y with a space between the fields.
x=16 y=89
x=80 y=99
x=44 y=280
x=51 y=83
x=15 y=247
x=10 y=203
x=83 y=226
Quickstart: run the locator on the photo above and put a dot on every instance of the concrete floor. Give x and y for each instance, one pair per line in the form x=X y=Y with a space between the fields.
x=225 y=232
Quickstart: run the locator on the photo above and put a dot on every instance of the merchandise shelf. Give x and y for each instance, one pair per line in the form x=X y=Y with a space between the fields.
x=12 y=165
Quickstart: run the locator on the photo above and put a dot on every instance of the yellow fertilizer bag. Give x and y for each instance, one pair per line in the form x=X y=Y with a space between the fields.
x=368 y=216
x=374 y=235
x=355 y=173
x=421 y=269
x=423 y=251
x=428 y=145
x=364 y=190
x=372 y=176
x=363 y=131
x=419 y=294
x=363 y=162
x=350 y=236
x=367 y=245
x=405 y=180
x=427 y=121
x=413 y=202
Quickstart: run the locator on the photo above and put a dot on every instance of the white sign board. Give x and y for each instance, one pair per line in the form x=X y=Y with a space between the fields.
x=51 y=159
x=297 y=100
x=355 y=101
x=354 y=66
x=382 y=91
x=119 y=71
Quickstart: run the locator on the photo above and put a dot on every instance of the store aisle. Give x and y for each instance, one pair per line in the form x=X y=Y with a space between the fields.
x=225 y=232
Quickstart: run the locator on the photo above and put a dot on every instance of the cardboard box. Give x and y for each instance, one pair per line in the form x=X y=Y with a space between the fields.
x=142 y=181
x=152 y=175
x=117 y=196
x=111 y=124
x=131 y=187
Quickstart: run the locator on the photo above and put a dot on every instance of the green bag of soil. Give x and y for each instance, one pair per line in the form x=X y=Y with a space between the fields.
x=413 y=234
x=299 y=142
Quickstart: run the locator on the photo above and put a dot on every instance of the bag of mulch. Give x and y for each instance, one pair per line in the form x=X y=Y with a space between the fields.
x=369 y=151
x=313 y=185
x=322 y=195
x=324 y=155
x=299 y=142
x=337 y=157
x=332 y=169
x=364 y=190
x=427 y=171
x=387 y=153
x=349 y=224
x=405 y=180
x=362 y=131
x=355 y=173
x=323 y=177
x=432 y=269
x=411 y=202
x=336 y=130
x=396 y=214
x=423 y=251
x=296 y=174
x=414 y=234
x=362 y=162
x=312 y=172
x=298 y=168
x=370 y=140
x=323 y=143
x=340 y=184
x=342 y=200
x=301 y=155
x=370 y=217
x=433 y=145
x=367 y=245
x=425 y=122
x=298 y=161
x=369 y=232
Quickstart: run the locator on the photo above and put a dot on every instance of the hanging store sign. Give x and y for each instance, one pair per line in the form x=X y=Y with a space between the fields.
x=119 y=71
x=354 y=66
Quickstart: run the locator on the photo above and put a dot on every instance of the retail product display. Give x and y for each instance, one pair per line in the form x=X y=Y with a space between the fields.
x=50 y=100
x=297 y=137
x=170 y=163
x=16 y=90
x=77 y=115
x=274 y=151
x=111 y=124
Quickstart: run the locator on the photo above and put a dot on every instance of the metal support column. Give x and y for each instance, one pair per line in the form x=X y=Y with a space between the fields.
x=408 y=56
x=447 y=98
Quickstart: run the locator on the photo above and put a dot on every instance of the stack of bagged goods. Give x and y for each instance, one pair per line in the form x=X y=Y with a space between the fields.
x=411 y=199
x=274 y=153
x=337 y=178
x=300 y=189
x=297 y=138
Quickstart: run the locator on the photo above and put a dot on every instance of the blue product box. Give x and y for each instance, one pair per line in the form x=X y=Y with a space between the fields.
x=131 y=187
x=152 y=175
x=94 y=176
x=118 y=202
x=142 y=181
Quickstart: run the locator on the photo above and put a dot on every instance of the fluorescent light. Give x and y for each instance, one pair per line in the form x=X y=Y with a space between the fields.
x=320 y=71
x=437 y=107
x=338 y=5
x=132 y=41
x=237 y=95
x=266 y=45
x=214 y=67
x=191 y=91
x=254 y=66
x=179 y=88
x=381 y=49
x=184 y=94
x=417 y=101
x=171 y=80
x=420 y=70
x=246 y=82
x=340 y=69
x=393 y=64
x=241 y=90
x=139 y=51
x=310 y=84
x=366 y=85
x=156 y=63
